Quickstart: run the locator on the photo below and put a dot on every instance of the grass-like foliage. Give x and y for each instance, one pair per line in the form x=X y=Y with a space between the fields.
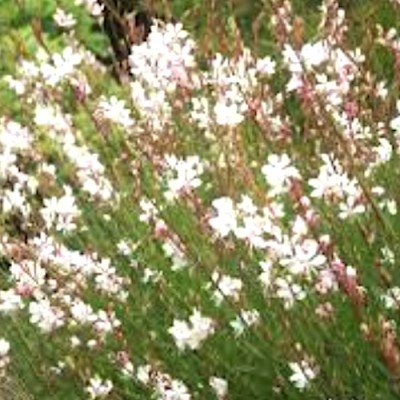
x=221 y=223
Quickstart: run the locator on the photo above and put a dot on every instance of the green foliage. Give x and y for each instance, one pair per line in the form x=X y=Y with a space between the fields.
x=255 y=364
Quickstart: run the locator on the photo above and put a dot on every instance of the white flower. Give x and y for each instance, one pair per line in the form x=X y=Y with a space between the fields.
x=278 y=173
x=219 y=385
x=302 y=374
x=181 y=332
x=326 y=281
x=229 y=114
x=246 y=319
x=114 y=110
x=17 y=85
x=51 y=117
x=160 y=65
x=61 y=212
x=143 y=374
x=171 y=389
x=395 y=124
x=4 y=347
x=105 y=323
x=391 y=298
x=225 y=220
x=314 y=54
x=182 y=175
x=28 y=274
x=148 y=210
x=124 y=248
x=164 y=60
x=15 y=200
x=45 y=316
x=93 y=7
x=99 y=389
x=191 y=335
x=266 y=66
x=64 y=19
x=10 y=301
x=265 y=275
x=388 y=255
x=13 y=137
x=62 y=66
x=7 y=164
x=176 y=255
x=152 y=105
x=82 y=313
x=165 y=388
x=288 y=291
x=226 y=287
x=4 y=358
x=304 y=259
x=333 y=183
x=292 y=59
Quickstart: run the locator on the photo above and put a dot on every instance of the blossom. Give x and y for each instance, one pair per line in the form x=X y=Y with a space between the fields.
x=246 y=319
x=266 y=66
x=265 y=277
x=47 y=317
x=288 y=291
x=124 y=248
x=278 y=173
x=171 y=389
x=114 y=110
x=15 y=200
x=245 y=220
x=182 y=175
x=64 y=19
x=225 y=220
x=10 y=301
x=304 y=258
x=143 y=374
x=98 y=388
x=163 y=61
x=50 y=116
x=148 y=210
x=334 y=185
x=191 y=335
x=226 y=287
x=302 y=374
x=61 y=212
x=61 y=67
x=152 y=105
x=314 y=54
x=93 y=7
x=4 y=347
x=82 y=313
x=160 y=65
x=391 y=299
x=29 y=275
x=388 y=256
x=219 y=385
x=4 y=357
x=176 y=255
x=229 y=113
x=164 y=386
x=14 y=138
x=90 y=171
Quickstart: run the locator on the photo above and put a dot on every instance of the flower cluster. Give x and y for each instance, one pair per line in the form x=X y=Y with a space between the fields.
x=259 y=189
